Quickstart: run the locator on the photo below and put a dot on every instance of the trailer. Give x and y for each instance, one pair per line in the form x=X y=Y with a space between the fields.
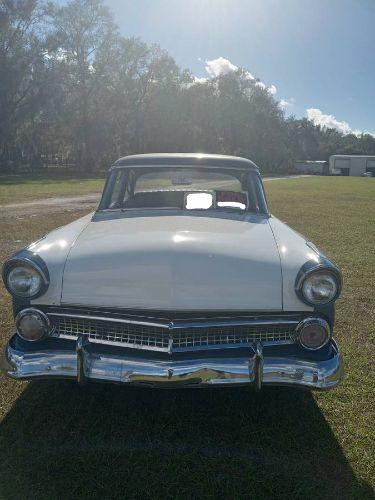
x=353 y=165
x=311 y=167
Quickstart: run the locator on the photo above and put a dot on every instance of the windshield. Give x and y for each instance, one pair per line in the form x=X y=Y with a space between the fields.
x=182 y=188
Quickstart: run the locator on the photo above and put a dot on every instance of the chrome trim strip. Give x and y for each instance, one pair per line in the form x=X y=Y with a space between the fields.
x=117 y=344
x=275 y=370
x=165 y=325
x=231 y=322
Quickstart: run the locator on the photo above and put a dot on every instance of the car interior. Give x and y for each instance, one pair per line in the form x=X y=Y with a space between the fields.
x=179 y=199
x=135 y=191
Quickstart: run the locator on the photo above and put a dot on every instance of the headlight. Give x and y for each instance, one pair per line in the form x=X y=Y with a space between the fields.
x=24 y=279
x=32 y=324
x=313 y=333
x=319 y=287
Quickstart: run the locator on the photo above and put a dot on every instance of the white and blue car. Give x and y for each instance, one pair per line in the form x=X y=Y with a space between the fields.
x=180 y=278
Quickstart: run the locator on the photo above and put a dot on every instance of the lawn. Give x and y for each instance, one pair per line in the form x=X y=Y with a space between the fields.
x=59 y=441
x=23 y=189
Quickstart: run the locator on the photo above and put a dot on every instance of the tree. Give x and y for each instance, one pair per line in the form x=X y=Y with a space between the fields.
x=128 y=72
x=81 y=28
x=24 y=77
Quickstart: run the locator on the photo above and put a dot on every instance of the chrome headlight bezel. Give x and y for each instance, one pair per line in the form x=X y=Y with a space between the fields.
x=311 y=268
x=321 y=323
x=41 y=316
x=26 y=263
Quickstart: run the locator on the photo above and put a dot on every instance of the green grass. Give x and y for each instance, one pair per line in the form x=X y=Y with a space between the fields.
x=58 y=441
x=19 y=190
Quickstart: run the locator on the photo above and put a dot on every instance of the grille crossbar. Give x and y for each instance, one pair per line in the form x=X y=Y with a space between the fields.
x=171 y=337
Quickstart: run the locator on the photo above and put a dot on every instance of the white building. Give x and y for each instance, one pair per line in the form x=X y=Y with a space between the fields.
x=351 y=165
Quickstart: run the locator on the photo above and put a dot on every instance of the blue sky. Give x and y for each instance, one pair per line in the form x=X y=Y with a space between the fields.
x=319 y=54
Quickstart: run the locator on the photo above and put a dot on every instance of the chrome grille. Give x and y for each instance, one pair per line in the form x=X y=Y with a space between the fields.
x=111 y=331
x=169 y=337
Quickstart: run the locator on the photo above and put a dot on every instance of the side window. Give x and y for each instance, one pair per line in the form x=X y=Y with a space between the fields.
x=118 y=190
x=129 y=191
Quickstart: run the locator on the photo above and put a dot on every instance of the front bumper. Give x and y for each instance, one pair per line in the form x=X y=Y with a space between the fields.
x=84 y=361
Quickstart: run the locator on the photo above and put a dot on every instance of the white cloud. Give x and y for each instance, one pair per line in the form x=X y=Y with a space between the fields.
x=219 y=66
x=197 y=79
x=327 y=121
x=272 y=89
x=287 y=103
x=330 y=121
x=222 y=66
x=249 y=76
x=260 y=84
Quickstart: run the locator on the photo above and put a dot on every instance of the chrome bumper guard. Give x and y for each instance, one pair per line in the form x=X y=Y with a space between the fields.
x=255 y=369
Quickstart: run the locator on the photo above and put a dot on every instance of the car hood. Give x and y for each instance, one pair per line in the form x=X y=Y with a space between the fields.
x=175 y=263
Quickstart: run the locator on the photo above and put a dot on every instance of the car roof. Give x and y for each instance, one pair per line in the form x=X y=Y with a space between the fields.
x=183 y=159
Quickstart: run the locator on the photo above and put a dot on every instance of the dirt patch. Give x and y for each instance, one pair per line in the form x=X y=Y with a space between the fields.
x=51 y=205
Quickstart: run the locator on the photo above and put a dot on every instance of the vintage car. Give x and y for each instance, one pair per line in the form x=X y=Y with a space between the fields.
x=180 y=278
